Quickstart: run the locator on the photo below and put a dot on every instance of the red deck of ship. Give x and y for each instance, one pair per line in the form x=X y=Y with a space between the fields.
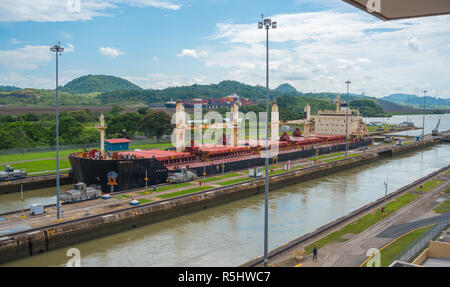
x=223 y=154
x=161 y=155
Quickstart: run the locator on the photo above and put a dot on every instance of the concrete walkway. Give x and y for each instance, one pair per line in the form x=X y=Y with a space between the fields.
x=352 y=252
x=409 y=217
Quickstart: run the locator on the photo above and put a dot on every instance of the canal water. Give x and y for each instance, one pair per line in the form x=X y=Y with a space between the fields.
x=11 y=201
x=231 y=234
x=430 y=122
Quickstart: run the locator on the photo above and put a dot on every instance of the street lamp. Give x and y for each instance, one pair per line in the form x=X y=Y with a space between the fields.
x=346 y=120
x=267 y=24
x=385 y=193
x=57 y=49
x=423 y=120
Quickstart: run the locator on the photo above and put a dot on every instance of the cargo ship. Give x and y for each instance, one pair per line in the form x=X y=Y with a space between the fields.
x=115 y=171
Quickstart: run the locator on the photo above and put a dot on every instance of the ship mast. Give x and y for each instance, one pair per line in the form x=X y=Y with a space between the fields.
x=337 y=102
x=102 y=128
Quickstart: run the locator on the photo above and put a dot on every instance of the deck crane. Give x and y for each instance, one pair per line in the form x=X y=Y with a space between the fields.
x=435 y=132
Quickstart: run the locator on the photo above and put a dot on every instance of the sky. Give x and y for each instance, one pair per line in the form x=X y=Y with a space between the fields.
x=317 y=46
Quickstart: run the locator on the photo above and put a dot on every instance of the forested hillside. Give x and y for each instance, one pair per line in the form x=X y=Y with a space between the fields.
x=417 y=102
x=98 y=83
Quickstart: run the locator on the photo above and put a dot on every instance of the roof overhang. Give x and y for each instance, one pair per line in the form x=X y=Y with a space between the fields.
x=402 y=9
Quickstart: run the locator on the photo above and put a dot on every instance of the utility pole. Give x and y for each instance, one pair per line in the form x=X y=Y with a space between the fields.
x=58 y=50
x=267 y=24
x=346 y=120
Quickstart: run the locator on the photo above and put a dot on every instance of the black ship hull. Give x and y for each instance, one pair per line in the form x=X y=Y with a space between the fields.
x=260 y=161
x=132 y=173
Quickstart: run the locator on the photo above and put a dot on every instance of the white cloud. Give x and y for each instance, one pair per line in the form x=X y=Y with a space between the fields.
x=29 y=57
x=192 y=53
x=110 y=51
x=69 y=48
x=39 y=81
x=14 y=41
x=153 y=3
x=413 y=44
x=364 y=61
x=308 y=46
x=70 y=10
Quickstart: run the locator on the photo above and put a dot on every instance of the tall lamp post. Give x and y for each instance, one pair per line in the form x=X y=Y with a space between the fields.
x=267 y=24
x=346 y=120
x=57 y=49
x=423 y=116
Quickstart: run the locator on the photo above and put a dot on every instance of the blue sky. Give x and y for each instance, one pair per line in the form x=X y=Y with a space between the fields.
x=159 y=43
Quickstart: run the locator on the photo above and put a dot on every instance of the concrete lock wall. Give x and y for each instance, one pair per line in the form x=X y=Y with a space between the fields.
x=64 y=234
x=35 y=183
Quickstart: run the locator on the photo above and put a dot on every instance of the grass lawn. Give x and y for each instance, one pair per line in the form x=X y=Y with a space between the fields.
x=121 y=196
x=326 y=156
x=444 y=207
x=233 y=181
x=183 y=192
x=144 y=200
x=211 y=179
x=363 y=223
x=342 y=157
x=276 y=172
x=230 y=175
x=169 y=187
x=42 y=165
x=429 y=185
x=65 y=153
x=35 y=155
x=391 y=251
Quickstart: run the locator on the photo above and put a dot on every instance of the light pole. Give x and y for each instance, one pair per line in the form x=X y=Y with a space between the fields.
x=267 y=24
x=346 y=120
x=385 y=193
x=423 y=119
x=57 y=49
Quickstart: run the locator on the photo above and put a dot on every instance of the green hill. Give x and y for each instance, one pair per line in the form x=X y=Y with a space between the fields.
x=287 y=89
x=222 y=89
x=40 y=97
x=367 y=107
x=8 y=88
x=98 y=83
x=417 y=102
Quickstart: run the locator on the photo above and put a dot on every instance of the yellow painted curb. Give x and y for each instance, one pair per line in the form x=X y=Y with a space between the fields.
x=362 y=264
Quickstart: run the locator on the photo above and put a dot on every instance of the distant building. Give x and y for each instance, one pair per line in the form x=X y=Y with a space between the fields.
x=117 y=144
x=214 y=103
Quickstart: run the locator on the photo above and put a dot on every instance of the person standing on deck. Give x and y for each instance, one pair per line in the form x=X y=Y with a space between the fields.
x=315 y=253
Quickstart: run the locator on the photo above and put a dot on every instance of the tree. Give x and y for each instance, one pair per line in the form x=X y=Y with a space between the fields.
x=124 y=125
x=367 y=108
x=143 y=111
x=115 y=110
x=156 y=124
